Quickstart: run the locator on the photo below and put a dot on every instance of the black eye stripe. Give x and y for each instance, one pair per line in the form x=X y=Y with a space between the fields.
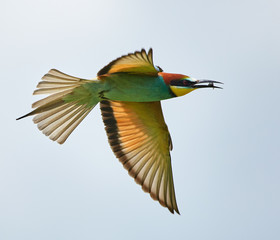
x=180 y=83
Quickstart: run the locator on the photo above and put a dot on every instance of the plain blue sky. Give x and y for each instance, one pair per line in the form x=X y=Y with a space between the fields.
x=226 y=142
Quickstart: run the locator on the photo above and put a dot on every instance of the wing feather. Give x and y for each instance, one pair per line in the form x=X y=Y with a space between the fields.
x=134 y=63
x=140 y=139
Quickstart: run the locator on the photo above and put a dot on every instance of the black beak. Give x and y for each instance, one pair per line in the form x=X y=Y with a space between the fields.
x=202 y=84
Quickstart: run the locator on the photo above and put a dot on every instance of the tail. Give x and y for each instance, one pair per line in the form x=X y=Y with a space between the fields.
x=70 y=102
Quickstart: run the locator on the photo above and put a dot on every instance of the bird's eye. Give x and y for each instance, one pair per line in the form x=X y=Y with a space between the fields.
x=187 y=83
x=180 y=83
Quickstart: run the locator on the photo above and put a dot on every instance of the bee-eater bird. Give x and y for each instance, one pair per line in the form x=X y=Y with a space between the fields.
x=129 y=90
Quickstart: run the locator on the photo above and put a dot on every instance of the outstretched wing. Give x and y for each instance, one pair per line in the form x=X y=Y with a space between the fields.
x=138 y=62
x=140 y=139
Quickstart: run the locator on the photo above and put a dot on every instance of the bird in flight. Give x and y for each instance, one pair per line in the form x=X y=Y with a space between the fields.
x=129 y=90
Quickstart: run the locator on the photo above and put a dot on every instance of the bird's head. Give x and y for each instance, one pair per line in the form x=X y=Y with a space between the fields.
x=182 y=84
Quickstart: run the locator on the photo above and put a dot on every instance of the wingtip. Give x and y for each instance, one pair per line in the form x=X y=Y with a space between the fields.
x=173 y=210
x=150 y=49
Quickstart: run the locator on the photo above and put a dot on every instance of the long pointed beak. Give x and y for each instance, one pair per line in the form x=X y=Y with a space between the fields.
x=210 y=84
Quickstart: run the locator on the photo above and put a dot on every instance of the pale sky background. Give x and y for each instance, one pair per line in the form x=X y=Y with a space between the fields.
x=226 y=161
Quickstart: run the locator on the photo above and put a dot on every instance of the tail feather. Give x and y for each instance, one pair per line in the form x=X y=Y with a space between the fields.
x=50 y=90
x=54 y=115
x=51 y=98
x=59 y=74
x=44 y=115
x=48 y=84
x=61 y=112
x=68 y=127
x=43 y=108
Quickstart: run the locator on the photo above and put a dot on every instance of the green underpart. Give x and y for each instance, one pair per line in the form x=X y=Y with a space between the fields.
x=83 y=94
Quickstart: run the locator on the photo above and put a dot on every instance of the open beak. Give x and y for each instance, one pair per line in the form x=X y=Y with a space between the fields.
x=206 y=84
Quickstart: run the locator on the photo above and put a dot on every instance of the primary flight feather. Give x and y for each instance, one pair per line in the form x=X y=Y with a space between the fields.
x=129 y=90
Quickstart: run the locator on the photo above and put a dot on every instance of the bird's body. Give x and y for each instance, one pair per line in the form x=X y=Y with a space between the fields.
x=129 y=90
x=135 y=88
